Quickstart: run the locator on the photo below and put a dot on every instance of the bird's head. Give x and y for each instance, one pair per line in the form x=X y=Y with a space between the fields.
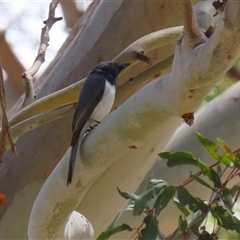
x=110 y=69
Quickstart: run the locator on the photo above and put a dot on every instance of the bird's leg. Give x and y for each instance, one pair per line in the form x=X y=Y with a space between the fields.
x=92 y=127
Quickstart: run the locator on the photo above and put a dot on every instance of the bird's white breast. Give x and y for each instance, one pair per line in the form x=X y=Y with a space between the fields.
x=104 y=106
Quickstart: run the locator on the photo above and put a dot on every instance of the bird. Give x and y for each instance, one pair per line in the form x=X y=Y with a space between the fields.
x=94 y=103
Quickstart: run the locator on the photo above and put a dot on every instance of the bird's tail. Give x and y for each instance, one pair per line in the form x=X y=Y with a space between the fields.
x=72 y=162
x=73 y=155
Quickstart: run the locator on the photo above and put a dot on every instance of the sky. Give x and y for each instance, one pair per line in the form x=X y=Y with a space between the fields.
x=23 y=21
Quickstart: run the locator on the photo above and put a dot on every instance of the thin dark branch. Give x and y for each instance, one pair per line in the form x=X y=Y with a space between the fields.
x=6 y=132
x=28 y=75
x=142 y=57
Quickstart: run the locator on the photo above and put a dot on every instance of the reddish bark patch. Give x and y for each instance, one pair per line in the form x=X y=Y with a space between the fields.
x=229 y=56
x=191 y=93
x=188 y=118
x=235 y=98
x=132 y=147
x=157 y=75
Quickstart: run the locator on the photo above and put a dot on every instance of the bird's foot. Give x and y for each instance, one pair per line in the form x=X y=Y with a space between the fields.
x=92 y=127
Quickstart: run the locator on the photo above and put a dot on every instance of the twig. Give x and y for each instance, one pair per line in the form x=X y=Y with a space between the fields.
x=152 y=72
x=137 y=50
x=236 y=198
x=6 y=132
x=197 y=175
x=193 y=34
x=27 y=76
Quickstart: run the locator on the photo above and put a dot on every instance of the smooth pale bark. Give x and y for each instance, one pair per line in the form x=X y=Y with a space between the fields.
x=220 y=118
x=99 y=37
x=120 y=150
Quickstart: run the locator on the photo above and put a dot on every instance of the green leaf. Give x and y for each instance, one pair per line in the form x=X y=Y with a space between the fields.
x=182 y=224
x=237 y=155
x=227 y=197
x=156 y=183
x=107 y=234
x=164 y=198
x=226 y=159
x=230 y=157
x=127 y=195
x=231 y=191
x=209 y=145
x=202 y=182
x=195 y=220
x=225 y=219
x=181 y=207
x=150 y=232
x=185 y=198
x=224 y=145
x=142 y=202
x=214 y=177
x=179 y=158
x=219 y=170
x=204 y=168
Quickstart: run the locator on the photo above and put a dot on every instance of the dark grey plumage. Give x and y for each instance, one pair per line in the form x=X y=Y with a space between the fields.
x=94 y=103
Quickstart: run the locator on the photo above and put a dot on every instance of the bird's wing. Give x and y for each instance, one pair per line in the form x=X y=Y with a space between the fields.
x=90 y=96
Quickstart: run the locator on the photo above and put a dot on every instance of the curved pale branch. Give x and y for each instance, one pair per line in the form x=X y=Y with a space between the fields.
x=70 y=93
x=131 y=133
x=27 y=76
x=20 y=126
x=125 y=90
x=192 y=31
x=51 y=101
x=41 y=119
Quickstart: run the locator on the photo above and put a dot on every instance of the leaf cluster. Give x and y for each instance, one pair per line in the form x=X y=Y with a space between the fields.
x=193 y=210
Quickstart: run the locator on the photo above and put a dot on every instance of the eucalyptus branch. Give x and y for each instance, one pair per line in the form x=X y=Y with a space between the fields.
x=133 y=84
x=41 y=119
x=22 y=122
x=27 y=76
x=137 y=50
x=6 y=132
x=153 y=111
x=70 y=93
x=191 y=29
x=51 y=101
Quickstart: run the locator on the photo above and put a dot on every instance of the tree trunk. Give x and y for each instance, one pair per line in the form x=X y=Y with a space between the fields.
x=105 y=30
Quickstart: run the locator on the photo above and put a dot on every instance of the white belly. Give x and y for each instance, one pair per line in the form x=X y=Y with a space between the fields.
x=105 y=105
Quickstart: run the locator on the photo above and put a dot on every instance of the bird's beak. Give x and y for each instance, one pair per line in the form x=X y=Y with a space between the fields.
x=124 y=65
x=121 y=66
